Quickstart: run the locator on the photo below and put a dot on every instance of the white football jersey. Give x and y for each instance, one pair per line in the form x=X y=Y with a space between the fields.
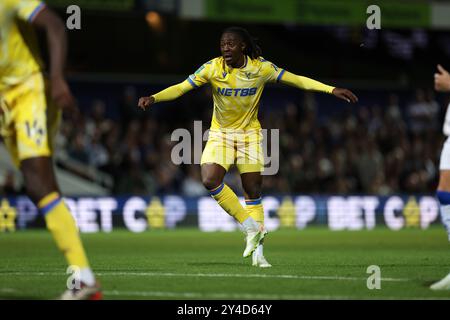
x=446 y=127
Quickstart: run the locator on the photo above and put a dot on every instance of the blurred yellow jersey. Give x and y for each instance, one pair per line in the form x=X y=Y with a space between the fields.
x=236 y=91
x=19 y=56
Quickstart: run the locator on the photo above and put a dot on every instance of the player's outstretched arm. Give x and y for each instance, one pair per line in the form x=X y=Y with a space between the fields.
x=442 y=80
x=310 y=84
x=170 y=93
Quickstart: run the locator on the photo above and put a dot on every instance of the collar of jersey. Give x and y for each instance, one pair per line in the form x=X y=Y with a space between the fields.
x=228 y=69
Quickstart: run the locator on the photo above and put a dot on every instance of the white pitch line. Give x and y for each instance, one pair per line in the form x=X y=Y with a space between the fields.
x=216 y=295
x=243 y=275
x=253 y=296
x=211 y=275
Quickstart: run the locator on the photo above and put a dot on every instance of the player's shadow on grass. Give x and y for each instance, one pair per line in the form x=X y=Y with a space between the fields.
x=213 y=264
x=428 y=283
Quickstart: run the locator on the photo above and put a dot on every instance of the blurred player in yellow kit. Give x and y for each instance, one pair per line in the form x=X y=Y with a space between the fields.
x=30 y=110
x=237 y=79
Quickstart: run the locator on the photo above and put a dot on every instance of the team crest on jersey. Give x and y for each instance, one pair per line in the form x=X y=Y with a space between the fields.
x=248 y=75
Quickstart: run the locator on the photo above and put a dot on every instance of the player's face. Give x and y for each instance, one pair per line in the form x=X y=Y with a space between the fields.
x=232 y=49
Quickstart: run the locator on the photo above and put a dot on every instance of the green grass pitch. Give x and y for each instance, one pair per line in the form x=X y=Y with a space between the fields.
x=187 y=264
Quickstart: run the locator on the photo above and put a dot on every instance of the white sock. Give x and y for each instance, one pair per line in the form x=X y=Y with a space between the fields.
x=445 y=217
x=259 y=250
x=250 y=225
x=87 y=276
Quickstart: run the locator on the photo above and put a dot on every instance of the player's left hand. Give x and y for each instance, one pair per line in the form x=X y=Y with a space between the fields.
x=442 y=80
x=345 y=94
x=62 y=95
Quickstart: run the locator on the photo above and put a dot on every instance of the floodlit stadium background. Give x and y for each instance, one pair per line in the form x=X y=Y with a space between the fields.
x=343 y=166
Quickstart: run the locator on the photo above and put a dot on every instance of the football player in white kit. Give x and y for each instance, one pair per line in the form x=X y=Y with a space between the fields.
x=442 y=84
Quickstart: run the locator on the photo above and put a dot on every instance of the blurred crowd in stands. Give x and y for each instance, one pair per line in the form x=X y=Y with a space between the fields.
x=381 y=148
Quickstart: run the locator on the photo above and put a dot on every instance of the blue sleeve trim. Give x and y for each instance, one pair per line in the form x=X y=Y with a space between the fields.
x=192 y=82
x=280 y=75
x=36 y=11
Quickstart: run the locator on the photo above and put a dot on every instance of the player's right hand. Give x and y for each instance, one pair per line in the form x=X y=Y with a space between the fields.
x=62 y=96
x=345 y=94
x=146 y=102
x=442 y=80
